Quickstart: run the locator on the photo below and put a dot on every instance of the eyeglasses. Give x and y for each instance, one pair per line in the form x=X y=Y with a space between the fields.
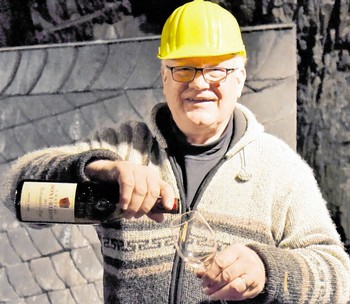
x=211 y=75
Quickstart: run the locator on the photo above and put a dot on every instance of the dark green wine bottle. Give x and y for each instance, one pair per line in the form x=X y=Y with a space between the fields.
x=39 y=201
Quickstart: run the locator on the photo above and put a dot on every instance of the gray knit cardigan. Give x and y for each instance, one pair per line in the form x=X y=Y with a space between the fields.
x=262 y=195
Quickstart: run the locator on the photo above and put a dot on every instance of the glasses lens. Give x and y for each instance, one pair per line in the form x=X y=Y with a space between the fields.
x=187 y=74
x=183 y=74
x=214 y=74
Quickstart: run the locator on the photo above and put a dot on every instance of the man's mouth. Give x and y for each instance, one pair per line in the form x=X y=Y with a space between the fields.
x=199 y=99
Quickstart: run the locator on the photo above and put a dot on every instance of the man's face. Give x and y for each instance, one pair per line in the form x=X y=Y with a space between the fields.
x=200 y=109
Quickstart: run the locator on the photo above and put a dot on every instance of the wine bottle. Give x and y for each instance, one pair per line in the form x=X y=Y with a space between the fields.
x=72 y=203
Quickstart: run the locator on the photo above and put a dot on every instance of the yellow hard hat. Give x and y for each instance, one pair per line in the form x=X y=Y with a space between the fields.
x=200 y=29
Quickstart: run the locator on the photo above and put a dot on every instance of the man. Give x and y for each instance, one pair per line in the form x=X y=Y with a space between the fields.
x=276 y=239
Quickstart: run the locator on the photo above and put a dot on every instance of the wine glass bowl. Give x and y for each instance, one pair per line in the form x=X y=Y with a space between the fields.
x=194 y=239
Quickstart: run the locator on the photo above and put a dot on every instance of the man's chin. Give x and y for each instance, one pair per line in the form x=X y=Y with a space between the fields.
x=202 y=120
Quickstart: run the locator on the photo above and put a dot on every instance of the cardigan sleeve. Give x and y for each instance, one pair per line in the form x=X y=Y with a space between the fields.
x=309 y=263
x=67 y=163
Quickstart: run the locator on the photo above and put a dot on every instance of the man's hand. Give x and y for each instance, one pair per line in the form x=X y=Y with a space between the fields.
x=237 y=273
x=139 y=186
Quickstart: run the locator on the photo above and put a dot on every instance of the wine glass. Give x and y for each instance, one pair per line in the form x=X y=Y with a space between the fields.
x=194 y=240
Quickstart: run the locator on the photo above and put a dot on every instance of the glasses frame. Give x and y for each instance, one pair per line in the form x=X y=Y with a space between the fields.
x=202 y=70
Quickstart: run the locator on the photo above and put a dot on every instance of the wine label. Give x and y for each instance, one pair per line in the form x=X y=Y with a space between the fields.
x=48 y=202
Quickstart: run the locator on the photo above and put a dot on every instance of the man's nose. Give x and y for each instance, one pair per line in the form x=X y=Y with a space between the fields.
x=199 y=81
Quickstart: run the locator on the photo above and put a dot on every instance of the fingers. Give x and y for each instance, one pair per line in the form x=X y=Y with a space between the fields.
x=139 y=192
x=224 y=268
x=140 y=188
x=167 y=195
x=236 y=274
x=238 y=289
x=224 y=274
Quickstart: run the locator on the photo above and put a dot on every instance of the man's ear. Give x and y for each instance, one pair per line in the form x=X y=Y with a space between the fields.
x=162 y=72
x=240 y=76
x=164 y=76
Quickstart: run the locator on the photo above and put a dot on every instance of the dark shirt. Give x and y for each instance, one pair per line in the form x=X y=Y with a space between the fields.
x=195 y=161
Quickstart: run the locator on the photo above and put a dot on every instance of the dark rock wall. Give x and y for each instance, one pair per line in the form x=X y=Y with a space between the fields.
x=324 y=101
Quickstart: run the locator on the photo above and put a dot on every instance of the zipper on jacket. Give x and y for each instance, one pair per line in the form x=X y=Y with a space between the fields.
x=204 y=183
x=178 y=264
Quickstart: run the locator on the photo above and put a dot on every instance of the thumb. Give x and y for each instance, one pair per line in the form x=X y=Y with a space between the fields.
x=167 y=196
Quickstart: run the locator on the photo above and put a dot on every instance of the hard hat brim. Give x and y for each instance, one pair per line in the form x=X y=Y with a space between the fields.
x=196 y=51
